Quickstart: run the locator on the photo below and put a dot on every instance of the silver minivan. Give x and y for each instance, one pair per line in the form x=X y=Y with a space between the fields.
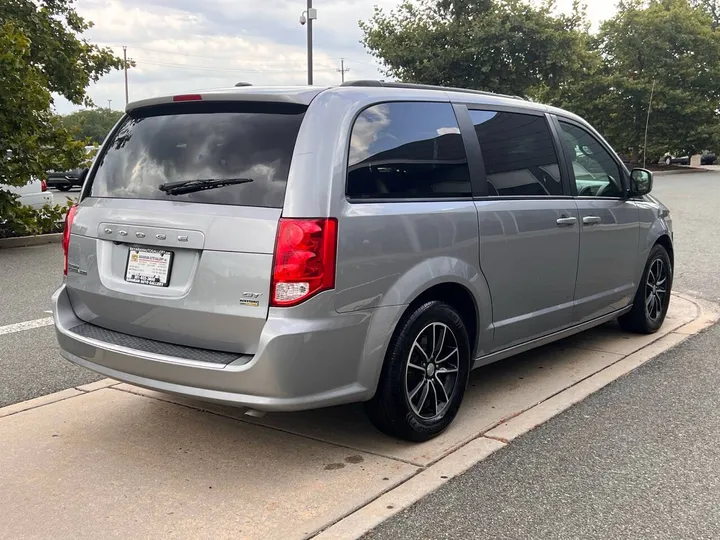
x=283 y=249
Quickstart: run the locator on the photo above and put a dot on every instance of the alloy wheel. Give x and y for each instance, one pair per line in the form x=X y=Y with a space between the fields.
x=431 y=373
x=656 y=289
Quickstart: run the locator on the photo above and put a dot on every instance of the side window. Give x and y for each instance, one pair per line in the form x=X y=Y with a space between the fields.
x=407 y=150
x=596 y=173
x=519 y=155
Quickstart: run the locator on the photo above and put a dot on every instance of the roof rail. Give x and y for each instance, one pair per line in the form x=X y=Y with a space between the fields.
x=385 y=84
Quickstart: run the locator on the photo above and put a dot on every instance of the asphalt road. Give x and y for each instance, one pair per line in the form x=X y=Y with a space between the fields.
x=60 y=196
x=30 y=364
x=637 y=460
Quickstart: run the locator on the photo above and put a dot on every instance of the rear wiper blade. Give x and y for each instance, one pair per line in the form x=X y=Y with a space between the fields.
x=191 y=186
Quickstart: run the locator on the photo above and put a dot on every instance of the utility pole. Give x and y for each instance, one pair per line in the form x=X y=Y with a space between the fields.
x=309 y=42
x=109 y=102
x=307 y=17
x=343 y=70
x=647 y=123
x=125 y=67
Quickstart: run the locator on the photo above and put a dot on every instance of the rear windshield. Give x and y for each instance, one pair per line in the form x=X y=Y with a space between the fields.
x=173 y=145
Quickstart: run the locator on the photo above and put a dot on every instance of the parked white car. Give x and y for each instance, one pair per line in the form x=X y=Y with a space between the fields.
x=34 y=194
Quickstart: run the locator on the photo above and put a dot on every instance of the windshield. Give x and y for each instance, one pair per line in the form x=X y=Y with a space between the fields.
x=149 y=151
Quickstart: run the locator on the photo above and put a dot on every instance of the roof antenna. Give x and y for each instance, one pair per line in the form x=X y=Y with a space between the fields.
x=243 y=84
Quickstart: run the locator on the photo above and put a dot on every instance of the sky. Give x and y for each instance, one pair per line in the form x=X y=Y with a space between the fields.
x=188 y=45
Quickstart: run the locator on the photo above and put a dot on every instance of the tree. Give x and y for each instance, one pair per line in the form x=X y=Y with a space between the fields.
x=91 y=125
x=507 y=46
x=40 y=53
x=711 y=7
x=673 y=46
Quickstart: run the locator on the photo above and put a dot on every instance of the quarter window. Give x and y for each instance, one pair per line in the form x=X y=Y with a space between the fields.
x=519 y=155
x=596 y=173
x=407 y=151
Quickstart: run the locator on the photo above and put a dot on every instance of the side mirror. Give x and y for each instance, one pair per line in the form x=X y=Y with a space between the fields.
x=641 y=181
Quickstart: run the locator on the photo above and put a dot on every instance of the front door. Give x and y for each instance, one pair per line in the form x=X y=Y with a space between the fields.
x=609 y=226
x=528 y=228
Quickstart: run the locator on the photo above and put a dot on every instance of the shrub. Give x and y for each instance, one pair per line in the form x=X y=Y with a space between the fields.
x=20 y=220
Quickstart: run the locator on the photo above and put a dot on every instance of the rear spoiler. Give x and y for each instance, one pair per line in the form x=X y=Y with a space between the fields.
x=293 y=96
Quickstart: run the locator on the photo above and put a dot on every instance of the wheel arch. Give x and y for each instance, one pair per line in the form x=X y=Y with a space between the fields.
x=665 y=241
x=474 y=307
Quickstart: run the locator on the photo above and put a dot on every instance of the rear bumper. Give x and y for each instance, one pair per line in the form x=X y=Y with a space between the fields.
x=300 y=363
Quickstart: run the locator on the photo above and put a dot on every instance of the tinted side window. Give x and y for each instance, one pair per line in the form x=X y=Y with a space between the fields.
x=407 y=150
x=519 y=154
x=596 y=173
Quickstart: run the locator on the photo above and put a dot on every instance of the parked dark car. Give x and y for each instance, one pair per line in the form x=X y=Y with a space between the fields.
x=707 y=158
x=66 y=180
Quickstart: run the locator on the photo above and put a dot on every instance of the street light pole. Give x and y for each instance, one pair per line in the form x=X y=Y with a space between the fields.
x=125 y=69
x=309 y=42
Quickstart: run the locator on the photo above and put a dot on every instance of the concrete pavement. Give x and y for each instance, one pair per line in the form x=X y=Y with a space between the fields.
x=112 y=460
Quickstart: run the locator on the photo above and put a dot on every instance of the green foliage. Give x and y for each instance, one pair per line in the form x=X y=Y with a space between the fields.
x=711 y=7
x=41 y=52
x=518 y=47
x=21 y=220
x=507 y=46
x=91 y=125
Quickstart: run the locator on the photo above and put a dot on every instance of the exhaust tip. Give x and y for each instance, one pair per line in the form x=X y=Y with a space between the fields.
x=254 y=413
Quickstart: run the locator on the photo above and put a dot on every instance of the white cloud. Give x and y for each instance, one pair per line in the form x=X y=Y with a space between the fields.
x=186 y=45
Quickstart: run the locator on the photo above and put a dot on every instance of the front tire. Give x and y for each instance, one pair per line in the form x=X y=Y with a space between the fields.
x=64 y=187
x=652 y=298
x=424 y=376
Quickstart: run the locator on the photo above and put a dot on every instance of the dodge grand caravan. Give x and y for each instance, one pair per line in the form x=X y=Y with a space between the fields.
x=291 y=248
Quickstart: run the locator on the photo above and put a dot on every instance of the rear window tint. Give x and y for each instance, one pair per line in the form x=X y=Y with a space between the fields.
x=151 y=150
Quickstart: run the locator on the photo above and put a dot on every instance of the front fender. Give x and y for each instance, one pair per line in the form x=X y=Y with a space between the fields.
x=655 y=222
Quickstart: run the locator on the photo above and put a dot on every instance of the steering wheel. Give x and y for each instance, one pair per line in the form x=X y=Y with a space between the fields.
x=586 y=191
x=610 y=186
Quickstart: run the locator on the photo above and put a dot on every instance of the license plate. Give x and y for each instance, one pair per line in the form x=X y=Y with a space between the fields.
x=149 y=267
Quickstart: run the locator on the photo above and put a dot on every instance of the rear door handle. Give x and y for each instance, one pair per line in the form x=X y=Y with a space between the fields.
x=591 y=220
x=566 y=221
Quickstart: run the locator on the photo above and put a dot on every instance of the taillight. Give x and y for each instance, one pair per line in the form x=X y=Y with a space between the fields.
x=304 y=263
x=43 y=185
x=69 y=217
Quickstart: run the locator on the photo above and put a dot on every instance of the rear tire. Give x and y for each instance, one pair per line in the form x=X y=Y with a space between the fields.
x=424 y=376
x=652 y=298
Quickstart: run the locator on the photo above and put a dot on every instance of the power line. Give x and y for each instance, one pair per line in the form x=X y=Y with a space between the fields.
x=215 y=57
x=233 y=70
x=188 y=54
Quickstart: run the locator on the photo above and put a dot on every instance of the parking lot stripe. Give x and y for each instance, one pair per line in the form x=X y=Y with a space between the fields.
x=27 y=325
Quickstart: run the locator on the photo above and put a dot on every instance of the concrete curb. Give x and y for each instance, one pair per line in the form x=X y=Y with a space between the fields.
x=55 y=397
x=457 y=462
x=26 y=241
